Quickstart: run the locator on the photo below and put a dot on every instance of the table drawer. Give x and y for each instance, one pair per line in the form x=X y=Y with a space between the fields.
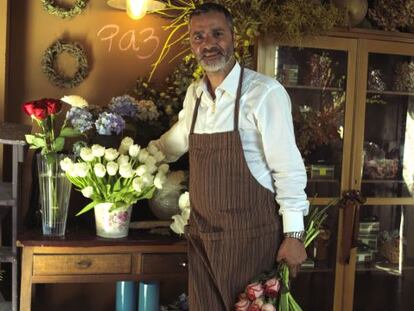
x=164 y=263
x=81 y=264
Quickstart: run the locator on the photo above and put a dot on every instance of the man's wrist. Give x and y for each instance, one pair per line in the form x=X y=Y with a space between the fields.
x=298 y=235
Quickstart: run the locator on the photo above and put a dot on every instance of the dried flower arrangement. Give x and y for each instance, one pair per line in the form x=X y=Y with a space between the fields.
x=393 y=15
x=404 y=74
x=315 y=128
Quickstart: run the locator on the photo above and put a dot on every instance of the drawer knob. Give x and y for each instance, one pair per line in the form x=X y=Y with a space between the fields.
x=84 y=264
x=183 y=264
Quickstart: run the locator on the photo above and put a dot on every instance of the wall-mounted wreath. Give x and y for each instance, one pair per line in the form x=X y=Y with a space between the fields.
x=52 y=8
x=49 y=64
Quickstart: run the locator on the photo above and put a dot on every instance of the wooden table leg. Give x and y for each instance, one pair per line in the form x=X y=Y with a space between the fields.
x=26 y=281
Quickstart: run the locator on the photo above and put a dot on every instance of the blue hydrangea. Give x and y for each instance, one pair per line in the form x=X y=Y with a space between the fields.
x=125 y=106
x=109 y=123
x=81 y=119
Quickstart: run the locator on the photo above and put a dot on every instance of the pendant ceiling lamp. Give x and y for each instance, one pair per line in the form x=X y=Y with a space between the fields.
x=136 y=9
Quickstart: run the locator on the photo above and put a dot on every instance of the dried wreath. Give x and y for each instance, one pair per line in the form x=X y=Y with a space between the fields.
x=49 y=59
x=52 y=8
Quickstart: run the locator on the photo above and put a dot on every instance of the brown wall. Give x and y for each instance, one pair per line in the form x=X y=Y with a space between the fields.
x=114 y=67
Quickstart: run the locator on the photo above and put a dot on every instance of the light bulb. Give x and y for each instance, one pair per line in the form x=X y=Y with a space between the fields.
x=136 y=9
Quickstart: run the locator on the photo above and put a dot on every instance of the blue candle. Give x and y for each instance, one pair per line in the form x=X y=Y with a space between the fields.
x=126 y=296
x=149 y=296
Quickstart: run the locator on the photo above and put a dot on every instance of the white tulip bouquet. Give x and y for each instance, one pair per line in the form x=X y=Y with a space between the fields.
x=121 y=177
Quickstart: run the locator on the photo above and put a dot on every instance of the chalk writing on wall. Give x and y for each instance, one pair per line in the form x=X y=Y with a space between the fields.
x=129 y=40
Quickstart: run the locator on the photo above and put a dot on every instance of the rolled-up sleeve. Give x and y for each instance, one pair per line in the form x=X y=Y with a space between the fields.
x=275 y=124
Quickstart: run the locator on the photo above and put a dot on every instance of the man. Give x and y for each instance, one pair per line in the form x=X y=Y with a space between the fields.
x=237 y=126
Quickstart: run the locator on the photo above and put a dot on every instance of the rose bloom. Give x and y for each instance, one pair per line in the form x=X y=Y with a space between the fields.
x=272 y=287
x=53 y=105
x=36 y=109
x=242 y=305
x=268 y=307
x=254 y=291
x=254 y=307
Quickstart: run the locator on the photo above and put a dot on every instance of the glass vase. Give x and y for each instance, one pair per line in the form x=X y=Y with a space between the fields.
x=54 y=194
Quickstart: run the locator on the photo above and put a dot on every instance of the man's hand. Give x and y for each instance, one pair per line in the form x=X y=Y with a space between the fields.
x=292 y=252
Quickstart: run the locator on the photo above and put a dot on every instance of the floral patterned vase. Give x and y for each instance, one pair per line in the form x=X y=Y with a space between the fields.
x=112 y=224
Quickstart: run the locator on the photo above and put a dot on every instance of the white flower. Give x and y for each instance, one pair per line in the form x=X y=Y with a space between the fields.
x=125 y=144
x=80 y=169
x=138 y=184
x=99 y=170
x=159 y=180
x=66 y=164
x=150 y=160
x=112 y=168
x=164 y=168
x=184 y=200
x=111 y=154
x=147 y=179
x=86 y=154
x=178 y=225
x=125 y=170
x=141 y=170
x=152 y=149
x=151 y=168
x=123 y=159
x=75 y=101
x=143 y=155
x=185 y=213
x=87 y=191
x=98 y=151
x=159 y=156
x=134 y=150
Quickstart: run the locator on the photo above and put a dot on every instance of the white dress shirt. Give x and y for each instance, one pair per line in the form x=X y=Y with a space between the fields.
x=266 y=130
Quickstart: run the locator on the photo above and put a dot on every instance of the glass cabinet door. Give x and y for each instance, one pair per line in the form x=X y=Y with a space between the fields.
x=319 y=79
x=384 y=171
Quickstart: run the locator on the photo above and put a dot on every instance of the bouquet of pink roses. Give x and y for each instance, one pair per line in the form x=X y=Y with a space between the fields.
x=272 y=289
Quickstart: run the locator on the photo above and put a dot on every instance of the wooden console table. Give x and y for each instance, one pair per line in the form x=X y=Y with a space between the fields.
x=83 y=257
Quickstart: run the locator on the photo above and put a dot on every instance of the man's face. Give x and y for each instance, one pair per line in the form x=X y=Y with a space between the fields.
x=211 y=41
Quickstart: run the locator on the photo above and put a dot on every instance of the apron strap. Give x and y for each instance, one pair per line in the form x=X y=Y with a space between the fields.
x=195 y=113
x=238 y=96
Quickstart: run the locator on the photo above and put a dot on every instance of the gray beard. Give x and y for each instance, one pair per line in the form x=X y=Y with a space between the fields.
x=219 y=65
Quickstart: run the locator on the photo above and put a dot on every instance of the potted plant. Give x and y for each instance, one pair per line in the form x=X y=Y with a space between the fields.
x=115 y=180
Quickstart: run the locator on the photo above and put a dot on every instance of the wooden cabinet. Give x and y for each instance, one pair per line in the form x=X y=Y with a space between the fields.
x=84 y=258
x=353 y=107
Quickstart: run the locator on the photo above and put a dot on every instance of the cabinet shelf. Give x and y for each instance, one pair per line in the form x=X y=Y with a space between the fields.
x=7 y=255
x=323 y=180
x=396 y=93
x=382 y=181
x=313 y=88
x=6 y=198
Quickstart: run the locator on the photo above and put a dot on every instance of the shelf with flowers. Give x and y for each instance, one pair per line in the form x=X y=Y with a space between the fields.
x=115 y=179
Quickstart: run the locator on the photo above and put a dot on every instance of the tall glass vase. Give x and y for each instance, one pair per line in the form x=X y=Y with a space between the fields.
x=54 y=194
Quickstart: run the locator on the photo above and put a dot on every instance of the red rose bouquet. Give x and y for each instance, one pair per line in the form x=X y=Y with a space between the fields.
x=270 y=291
x=43 y=112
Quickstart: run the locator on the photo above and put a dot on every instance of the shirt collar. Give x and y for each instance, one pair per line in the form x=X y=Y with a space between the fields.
x=229 y=84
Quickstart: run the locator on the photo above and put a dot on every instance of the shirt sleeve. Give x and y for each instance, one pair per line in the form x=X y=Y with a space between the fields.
x=174 y=142
x=275 y=124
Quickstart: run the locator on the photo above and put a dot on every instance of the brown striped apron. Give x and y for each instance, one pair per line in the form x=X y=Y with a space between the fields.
x=234 y=229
